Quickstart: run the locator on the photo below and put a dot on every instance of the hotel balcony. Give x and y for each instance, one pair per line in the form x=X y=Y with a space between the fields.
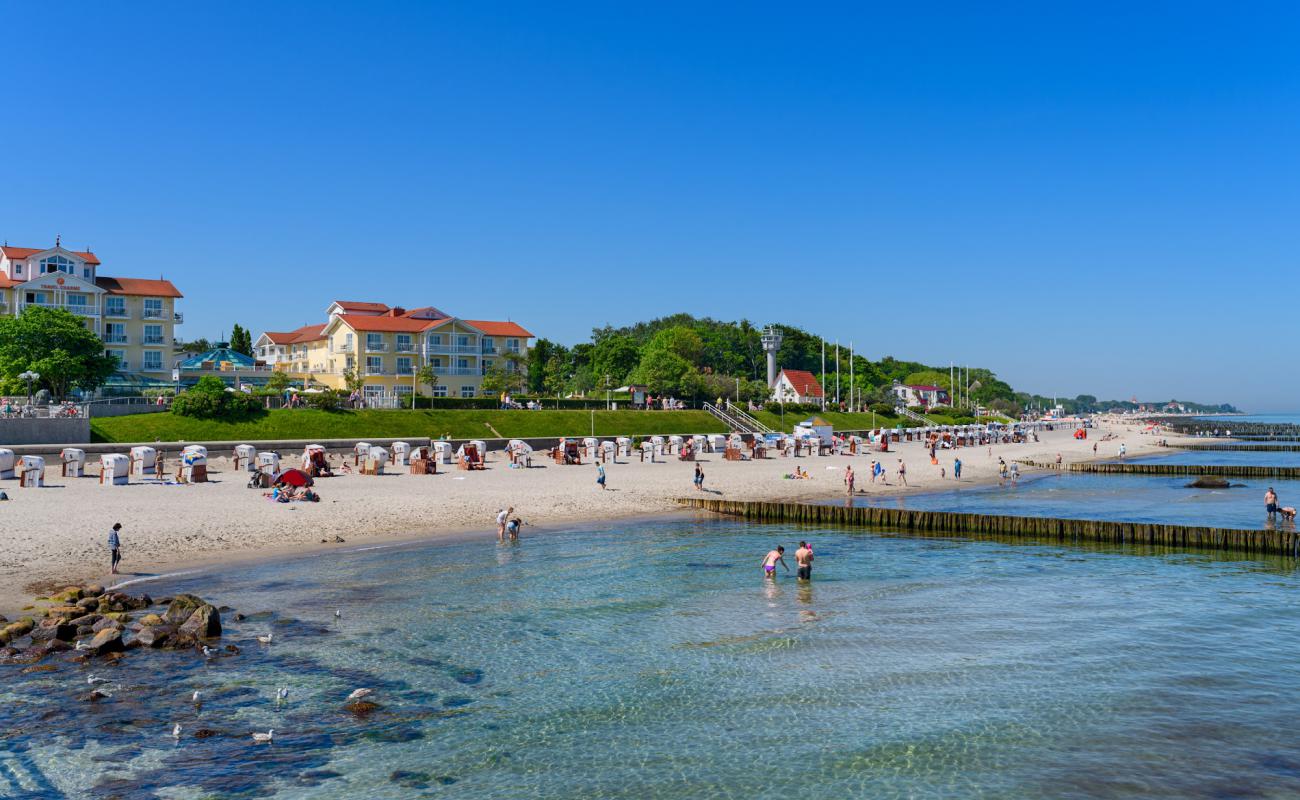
x=153 y=340
x=404 y=348
x=116 y=338
x=178 y=317
x=407 y=371
x=376 y=371
x=454 y=348
x=490 y=350
x=116 y=313
x=150 y=367
x=376 y=347
x=154 y=313
x=455 y=371
x=76 y=308
x=346 y=347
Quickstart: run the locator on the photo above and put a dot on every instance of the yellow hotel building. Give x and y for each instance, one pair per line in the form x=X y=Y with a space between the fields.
x=388 y=344
x=136 y=317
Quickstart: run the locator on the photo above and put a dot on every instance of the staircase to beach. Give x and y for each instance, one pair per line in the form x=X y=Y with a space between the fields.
x=910 y=414
x=738 y=421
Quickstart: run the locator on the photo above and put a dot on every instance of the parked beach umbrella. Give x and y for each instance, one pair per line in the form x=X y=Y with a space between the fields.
x=293 y=477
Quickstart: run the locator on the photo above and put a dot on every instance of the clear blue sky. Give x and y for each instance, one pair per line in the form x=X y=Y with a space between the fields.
x=1092 y=198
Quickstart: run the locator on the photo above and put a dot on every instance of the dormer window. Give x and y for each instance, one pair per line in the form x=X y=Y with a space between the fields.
x=57 y=264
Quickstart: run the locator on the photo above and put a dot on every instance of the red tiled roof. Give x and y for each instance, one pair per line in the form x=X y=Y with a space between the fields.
x=499 y=328
x=137 y=286
x=23 y=252
x=363 y=322
x=306 y=333
x=804 y=382
x=352 y=305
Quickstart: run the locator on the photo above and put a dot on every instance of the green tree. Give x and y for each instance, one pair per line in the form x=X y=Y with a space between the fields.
x=615 y=356
x=279 y=381
x=56 y=344
x=353 y=379
x=427 y=376
x=539 y=355
x=196 y=346
x=665 y=372
x=241 y=341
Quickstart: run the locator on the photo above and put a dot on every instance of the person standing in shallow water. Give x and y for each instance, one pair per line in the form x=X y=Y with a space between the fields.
x=770 y=560
x=1270 y=503
x=115 y=546
x=803 y=558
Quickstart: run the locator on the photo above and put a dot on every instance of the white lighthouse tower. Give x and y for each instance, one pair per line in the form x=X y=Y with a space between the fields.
x=771 y=340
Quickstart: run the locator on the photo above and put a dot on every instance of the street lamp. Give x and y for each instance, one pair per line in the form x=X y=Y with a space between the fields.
x=30 y=377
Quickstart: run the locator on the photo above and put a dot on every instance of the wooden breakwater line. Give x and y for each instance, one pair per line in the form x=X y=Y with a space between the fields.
x=1238 y=428
x=1253 y=448
x=1222 y=470
x=899 y=520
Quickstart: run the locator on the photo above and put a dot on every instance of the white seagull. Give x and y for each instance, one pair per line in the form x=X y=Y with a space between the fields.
x=264 y=737
x=209 y=652
x=338 y=612
x=81 y=645
x=94 y=679
x=360 y=693
x=176 y=731
x=194 y=698
x=282 y=695
x=265 y=639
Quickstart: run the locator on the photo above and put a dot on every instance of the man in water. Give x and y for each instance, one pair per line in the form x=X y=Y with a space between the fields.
x=115 y=546
x=512 y=527
x=769 y=562
x=1270 y=502
x=502 y=516
x=803 y=558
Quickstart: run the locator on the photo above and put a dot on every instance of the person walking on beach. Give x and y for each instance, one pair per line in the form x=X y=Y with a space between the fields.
x=1094 y=449
x=849 y=478
x=902 y=472
x=502 y=516
x=803 y=558
x=1122 y=449
x=600 y=476
x=699 y=477
x=770 y=560
x=1058 y=460
x=873 y=471
x=1270 y=503
x=956 y=469
x=115 y=546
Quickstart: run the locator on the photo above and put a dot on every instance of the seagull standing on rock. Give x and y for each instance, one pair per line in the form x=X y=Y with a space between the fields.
x=360 y=693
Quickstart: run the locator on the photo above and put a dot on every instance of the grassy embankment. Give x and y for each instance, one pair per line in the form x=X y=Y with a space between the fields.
x=455 y=423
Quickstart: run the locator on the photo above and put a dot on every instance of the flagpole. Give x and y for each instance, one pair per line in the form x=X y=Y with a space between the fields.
x=837 y=373
x=823 y=374
x=852 y=401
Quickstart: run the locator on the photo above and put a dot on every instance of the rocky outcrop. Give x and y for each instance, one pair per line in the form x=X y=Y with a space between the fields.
x=107 y=641
x=155 y=636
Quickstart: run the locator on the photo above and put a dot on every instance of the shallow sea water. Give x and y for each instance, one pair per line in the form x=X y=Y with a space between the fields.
x=652 y=660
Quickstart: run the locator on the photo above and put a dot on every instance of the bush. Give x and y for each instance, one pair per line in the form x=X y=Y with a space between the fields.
x=882 y=408
x=208 y=399
x=327 y=400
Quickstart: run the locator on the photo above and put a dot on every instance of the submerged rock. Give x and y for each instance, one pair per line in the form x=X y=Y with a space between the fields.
x=154 y=636
x=1209 y=482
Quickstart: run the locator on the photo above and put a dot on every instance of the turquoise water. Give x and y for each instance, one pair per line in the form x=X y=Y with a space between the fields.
x=1130 y=498
x=1267 y=419
x=651 y=660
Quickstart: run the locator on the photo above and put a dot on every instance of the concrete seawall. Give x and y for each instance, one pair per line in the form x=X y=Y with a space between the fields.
x=1065 y=531
x=74 y=430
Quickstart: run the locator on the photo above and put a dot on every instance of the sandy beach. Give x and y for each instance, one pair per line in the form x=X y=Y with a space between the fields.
x=57 y=535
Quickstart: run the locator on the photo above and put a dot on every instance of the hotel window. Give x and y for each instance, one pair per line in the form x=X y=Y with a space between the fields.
x=57 y=264
x=404 y=366
x=153 y=308
x=374 y=365
x=435 y=340
x=115 y=333
x=153 y=359
x=87 y=273
x=467 y=391
x=489 y=346
x=512 y=345
x=78 y=300
x=18 y=269
x=350 y=363
x=36 y=298
x=374 y=341
x=347 y=342
x=404 y=343
x=153 y=334
x=439 y=391
x=487 y=365
x=402 y=390
x=115 y=306
x=120 y=355
x=462 y=341
x=462 y=363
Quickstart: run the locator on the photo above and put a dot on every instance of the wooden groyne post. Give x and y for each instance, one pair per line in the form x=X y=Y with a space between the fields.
x=1221 y=470
x=1067 y=531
